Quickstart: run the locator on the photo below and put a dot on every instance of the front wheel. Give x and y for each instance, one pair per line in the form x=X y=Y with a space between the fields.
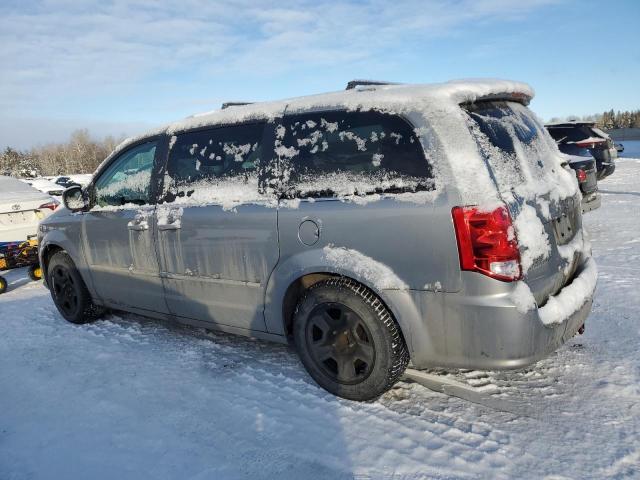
x=348 y=341
x=69 y=293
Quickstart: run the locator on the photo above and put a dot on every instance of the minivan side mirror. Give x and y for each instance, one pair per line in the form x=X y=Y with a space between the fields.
x=74 y=199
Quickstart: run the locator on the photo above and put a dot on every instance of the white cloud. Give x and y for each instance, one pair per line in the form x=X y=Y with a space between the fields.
x=60 y=54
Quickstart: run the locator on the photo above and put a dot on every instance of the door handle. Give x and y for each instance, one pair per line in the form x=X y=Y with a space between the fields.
x=138 y=226
x=169 y=226
x=139 y=223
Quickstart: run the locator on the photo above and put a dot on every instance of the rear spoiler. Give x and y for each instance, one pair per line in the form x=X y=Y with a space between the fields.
x=519 y=97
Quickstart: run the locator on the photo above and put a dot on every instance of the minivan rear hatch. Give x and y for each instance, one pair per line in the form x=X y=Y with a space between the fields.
x=540 y=192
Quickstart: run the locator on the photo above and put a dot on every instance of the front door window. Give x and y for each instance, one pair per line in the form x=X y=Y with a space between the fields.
x=127 y=180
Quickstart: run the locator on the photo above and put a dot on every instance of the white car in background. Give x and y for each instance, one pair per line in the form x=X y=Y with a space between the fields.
x=44 y=185
x=21 y=209
x=81 y=179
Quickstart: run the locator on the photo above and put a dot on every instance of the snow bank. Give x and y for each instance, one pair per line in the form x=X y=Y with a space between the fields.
x=376 y=273
x=559 y=307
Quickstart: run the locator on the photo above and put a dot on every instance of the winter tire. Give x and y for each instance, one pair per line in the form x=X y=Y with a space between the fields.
x=348 y=341
x=69 y=292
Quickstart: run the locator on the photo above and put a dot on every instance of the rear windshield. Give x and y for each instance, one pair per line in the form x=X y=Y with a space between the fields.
x=571 y=134
x=512 y=141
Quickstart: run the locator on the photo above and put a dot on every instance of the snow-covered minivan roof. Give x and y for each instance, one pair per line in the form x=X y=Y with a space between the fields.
x=391 y=97
x=395 y=98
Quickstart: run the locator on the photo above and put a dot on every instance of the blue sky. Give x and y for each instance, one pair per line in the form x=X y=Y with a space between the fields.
x=119 y=67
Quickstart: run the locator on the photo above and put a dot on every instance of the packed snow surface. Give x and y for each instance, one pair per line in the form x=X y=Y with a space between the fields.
x=131 y=398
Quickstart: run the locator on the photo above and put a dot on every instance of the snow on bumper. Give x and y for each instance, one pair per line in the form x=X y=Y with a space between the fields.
x=572 y=297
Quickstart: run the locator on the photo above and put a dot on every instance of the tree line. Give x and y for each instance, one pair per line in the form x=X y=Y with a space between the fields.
x=609 y=120
x=80 y=154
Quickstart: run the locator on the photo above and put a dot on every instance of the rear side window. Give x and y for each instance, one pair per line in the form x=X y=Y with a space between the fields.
x=570 y=134
x=503 y=126
x=345 y=153
x=214 y=165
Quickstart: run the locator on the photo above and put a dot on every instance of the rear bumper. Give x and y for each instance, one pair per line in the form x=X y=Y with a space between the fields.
x=18 y=232
x=591 y=201
x=483 y=329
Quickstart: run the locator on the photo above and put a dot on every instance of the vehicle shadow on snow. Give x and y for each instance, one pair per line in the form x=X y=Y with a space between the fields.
x=217 y=403
x=16 y=277
x=611 y=192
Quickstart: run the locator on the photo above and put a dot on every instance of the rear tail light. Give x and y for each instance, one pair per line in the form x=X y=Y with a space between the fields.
x=50 y=205
x=487 y=242
x=582 y=175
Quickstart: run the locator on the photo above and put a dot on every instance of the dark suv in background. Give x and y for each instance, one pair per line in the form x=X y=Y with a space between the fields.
x=584 y=139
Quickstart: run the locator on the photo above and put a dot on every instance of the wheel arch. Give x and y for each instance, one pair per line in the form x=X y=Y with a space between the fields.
x=291 y=278
x=55 y=241
x=45 y=257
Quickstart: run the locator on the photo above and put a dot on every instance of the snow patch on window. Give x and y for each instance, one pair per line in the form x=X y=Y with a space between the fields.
x=346 y=185
x=396 y=136
x=360 y=142
x=329 y=126
x=121 y=184
x=237 y=151
x=227 y=192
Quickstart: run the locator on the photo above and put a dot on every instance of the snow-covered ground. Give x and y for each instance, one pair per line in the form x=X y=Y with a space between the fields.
x=131 y=398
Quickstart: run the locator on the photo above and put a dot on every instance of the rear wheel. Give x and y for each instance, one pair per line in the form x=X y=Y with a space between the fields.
x=69 y=292
x=3 y=285
x=348 y=341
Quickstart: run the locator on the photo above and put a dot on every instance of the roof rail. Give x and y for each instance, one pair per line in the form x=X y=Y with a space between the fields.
x=353 y=84
x=226 y=105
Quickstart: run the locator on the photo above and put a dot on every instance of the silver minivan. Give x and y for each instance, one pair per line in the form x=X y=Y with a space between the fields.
x=373 y=227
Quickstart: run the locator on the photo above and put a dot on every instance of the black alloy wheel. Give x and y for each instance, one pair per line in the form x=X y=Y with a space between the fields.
x=65 y=290
x=340 y=343
x=348 y=340
x=68 y=290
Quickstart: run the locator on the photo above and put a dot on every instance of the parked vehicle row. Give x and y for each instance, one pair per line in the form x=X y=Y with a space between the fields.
x=54 y=186
x=584 y=139
x=586 y=174
x=448 y=233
